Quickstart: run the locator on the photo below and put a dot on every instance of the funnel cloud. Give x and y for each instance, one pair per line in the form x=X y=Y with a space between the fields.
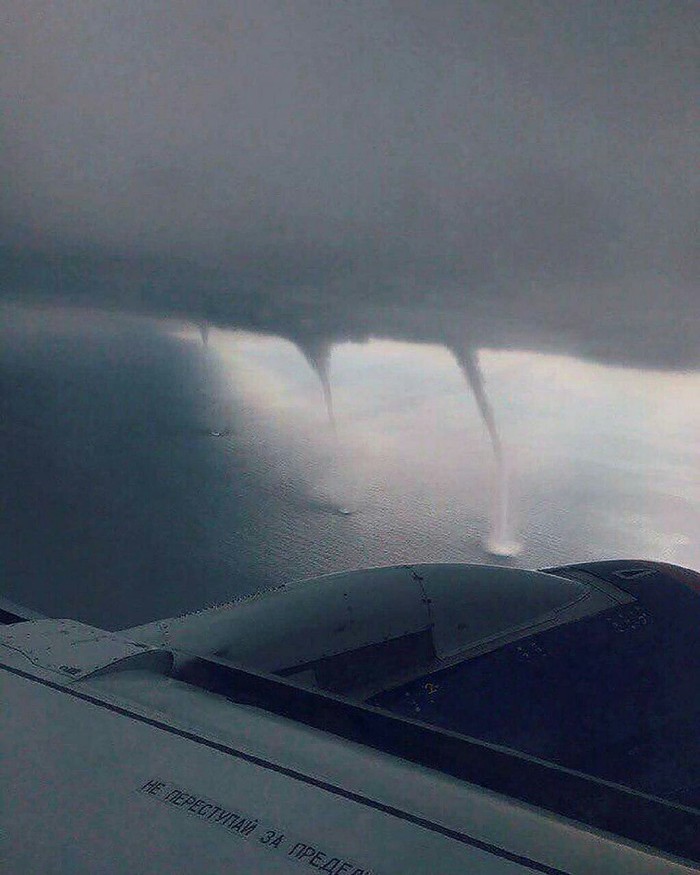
x=318 y=354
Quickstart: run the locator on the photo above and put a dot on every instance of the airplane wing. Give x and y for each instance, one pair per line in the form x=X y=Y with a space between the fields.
x=415 y=719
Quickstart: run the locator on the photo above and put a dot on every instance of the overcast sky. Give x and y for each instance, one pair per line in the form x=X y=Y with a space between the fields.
x=470 y=142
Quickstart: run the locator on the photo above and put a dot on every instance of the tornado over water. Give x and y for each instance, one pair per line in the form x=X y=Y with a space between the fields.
x=317 y=353
x=500 y=541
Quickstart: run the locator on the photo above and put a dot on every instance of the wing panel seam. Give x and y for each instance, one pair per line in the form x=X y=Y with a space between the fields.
x=350 y=795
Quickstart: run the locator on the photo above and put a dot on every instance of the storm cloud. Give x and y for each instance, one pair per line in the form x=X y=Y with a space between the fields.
x=523 y=173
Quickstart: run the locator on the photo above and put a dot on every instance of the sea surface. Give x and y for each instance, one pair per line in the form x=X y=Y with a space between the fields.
x=154 y=466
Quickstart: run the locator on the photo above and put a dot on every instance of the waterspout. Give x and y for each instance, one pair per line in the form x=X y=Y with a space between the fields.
x=318 y=354
x=500 y=541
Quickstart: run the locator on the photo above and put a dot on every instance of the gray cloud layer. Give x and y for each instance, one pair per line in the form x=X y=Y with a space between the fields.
x=534 y=158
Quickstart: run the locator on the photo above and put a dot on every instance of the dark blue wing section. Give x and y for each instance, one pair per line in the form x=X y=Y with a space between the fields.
x=616 y=696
